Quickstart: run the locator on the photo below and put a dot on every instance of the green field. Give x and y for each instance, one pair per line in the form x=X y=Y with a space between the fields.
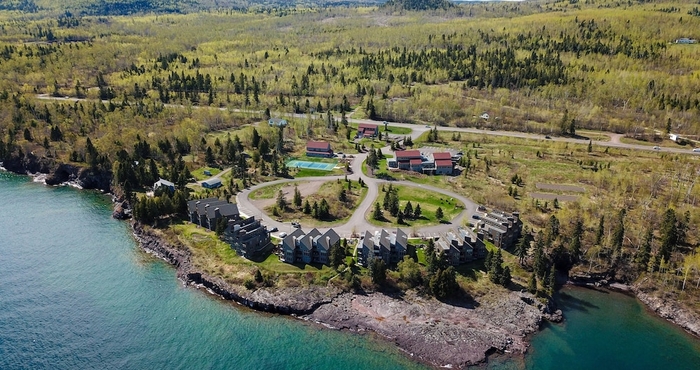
x=429 y=202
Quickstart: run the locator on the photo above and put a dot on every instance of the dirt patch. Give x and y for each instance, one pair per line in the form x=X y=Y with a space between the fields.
x=305 y=188
x=552 y=196
x=560 y=187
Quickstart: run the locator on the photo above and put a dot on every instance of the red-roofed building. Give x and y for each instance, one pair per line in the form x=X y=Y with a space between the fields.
x=407 y=158
x=367 y=130
x=319 y=149
x=443 y=166
x=443 y=155
x=416 y=165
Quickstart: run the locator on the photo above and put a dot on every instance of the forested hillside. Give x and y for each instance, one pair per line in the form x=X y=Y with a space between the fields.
x=150 y=92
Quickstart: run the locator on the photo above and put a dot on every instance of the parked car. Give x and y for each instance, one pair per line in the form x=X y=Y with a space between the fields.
x=656 y=148
x=696 y=150
x=296 y=225
x=427 y=126
x=273 y=229
x=282 y=234
x=476 y=217
x=547 y=137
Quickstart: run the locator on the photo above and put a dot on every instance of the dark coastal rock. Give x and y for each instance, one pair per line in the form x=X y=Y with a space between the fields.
x=121 y=211
x=441 y=334
x=29 y=163
x=297 y=301
x=86 y=178
x=668 y=308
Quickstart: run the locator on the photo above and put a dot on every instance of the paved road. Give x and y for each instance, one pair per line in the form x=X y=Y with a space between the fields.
x=419 y=129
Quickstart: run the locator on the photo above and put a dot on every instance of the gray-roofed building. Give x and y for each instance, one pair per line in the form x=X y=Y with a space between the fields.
x=248 y=237
x=207 y=212
x=502 y=229
x=314 y=247
x=389 y=246
x=163 y=183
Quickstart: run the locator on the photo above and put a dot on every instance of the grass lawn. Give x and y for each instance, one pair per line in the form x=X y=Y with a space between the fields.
x=429 y=202
x=216 y=257
x=629 y=140
x=329 y=191
x=199 y=173
x=382 y=171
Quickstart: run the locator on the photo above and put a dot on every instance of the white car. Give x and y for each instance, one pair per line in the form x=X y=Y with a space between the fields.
x=282 y=235
x=656 y=148
x=696 y=150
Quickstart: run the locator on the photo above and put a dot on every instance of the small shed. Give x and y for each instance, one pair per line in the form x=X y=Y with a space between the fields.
x=212 y=183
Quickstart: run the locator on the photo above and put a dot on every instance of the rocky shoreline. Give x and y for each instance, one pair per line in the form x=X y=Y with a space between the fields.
x=436 y=333
x=660 y=303
x=455 y=334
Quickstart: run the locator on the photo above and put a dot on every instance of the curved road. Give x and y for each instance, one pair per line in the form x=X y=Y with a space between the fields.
x=358 y=223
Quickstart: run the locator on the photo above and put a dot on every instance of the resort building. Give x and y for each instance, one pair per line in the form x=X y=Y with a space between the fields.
x=248 y=237
x=502 y=229
x=367 y=130
x=431 y=163
x=319 y=149
x=389 y=246
x=314 y=247
x=207 y=212
x=461 y=246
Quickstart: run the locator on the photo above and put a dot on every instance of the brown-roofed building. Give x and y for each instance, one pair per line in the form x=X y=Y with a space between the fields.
x=367 y=130
x=443 y=166
x=319 y=149
x=442 y=155
x=405 y=159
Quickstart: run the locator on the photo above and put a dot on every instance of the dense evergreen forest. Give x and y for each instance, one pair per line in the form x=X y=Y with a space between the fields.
x=151 y=84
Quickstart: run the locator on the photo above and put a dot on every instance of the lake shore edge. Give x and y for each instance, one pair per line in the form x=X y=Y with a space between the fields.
x=459 y=333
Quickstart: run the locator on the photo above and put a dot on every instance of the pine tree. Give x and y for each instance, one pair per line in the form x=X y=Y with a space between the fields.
x=408 y=210
x=669 y=234
x=377 y=213
x=297 y=197
x=600 y=231
x=439 y=214
x=281 y=201
x=644 y=252
x=417 y=212
x=307 y=207
x=551 y=280
x=576 y=236
x=532 y=284
x=522 y=248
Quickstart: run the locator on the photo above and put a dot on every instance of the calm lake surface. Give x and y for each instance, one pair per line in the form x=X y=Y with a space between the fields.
x=76 y=292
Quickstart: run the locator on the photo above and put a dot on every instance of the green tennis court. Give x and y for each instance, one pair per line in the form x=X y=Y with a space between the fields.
x=311 y=165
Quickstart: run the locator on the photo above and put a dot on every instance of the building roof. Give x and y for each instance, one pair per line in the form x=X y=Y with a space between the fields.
x=162 y=182
x=203 y=206
x=224 y=210
x=277 y=121
x=192 y=204
x=442 y=163
x=415 y=161
x=369 y=126
x=327 y=240
x=442 y=155
x=407 y=153
x=318 y=145
x=212 y=182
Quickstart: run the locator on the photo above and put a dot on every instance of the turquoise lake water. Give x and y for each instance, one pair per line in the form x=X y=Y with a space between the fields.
x=77 y=293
